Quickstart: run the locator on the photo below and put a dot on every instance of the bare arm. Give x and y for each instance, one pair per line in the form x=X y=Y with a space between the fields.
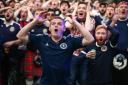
x=3 y=9
x=11 y=43
x=88 y=38
x=88 y=23
x=23 y=33
x=45 y=5
x=30 y=16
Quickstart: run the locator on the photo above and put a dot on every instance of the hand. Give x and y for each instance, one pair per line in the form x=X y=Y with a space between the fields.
x=114 y=20
x=91 y=54
x=88 y=7
x=41 y=17
x=8 y=44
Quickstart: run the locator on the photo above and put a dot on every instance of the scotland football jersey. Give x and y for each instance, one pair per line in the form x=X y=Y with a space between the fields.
x=122 y=27
x=99 y=69
x=56 y=57
x=9 y=29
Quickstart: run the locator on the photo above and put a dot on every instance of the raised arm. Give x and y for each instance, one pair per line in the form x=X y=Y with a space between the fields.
x=45 y=5
x=88 y=38
x=3 y=9
x=88 y=23
x=23 y=33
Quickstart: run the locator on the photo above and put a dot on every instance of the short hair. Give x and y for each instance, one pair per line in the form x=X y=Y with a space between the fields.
x=104 y=4
x=57 y=17
x=122 y=3
x=100 y=27
x=110 y=5
x=66 y=2
x=82 y=2
x=40 y=9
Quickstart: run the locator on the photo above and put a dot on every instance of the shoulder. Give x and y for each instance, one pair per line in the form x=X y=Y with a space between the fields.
x=39 y=36
x=15 y=23
x=1 y=19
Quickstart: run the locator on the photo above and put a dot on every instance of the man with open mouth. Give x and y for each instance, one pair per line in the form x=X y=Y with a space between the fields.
x=55 y=49
x=120 y=72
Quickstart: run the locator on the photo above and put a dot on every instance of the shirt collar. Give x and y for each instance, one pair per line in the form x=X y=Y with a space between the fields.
x=8 y=23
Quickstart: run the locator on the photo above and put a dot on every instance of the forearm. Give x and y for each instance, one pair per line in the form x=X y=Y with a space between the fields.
x=30 y=16
x=45 y=5
x=88 y=23
x=24 y=31
x=17 y=12
x=74 y=11
x=3 y=9
x=88 y=38
x=23 y=2
x=16 y=42
x=114 y=35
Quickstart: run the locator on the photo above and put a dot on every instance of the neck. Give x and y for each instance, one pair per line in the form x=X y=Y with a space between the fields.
x=56 y=39
x=123 y=18
x=100 y=44
x=8 y=21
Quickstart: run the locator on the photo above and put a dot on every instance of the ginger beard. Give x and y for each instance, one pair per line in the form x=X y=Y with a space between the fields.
x=101 y=35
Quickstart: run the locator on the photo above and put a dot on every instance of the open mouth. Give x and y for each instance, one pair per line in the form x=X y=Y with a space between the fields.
x=56 y=30
x=100 y=39
x=23 y=16
x=7 y=15
x=64 y=9
x=81 y=14
x=110 y=13
x=123 y=12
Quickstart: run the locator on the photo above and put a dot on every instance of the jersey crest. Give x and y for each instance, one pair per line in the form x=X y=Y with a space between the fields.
x=119 y=61
x=63 y=46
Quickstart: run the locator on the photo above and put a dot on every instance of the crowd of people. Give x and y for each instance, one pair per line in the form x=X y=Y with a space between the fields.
x=61 y=42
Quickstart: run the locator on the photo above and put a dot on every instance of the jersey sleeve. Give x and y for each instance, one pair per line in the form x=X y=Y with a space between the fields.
x=35 y=39
x=77 y=42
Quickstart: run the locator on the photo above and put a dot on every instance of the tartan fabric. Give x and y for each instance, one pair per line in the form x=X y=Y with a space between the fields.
x=30 y=69
x=37 y=71
x=28 y=64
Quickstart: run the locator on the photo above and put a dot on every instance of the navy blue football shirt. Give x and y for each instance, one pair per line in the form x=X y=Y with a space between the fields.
x=9 y=30
x=122 y=27
x=56 y=55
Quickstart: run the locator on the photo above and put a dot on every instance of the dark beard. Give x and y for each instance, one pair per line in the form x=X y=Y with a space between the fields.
x=8 y=20
x=81 y=20
x=102 y=13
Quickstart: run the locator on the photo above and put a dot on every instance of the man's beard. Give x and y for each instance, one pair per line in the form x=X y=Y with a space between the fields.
x=8 y=19
x=102 y=13
x=101 y=41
